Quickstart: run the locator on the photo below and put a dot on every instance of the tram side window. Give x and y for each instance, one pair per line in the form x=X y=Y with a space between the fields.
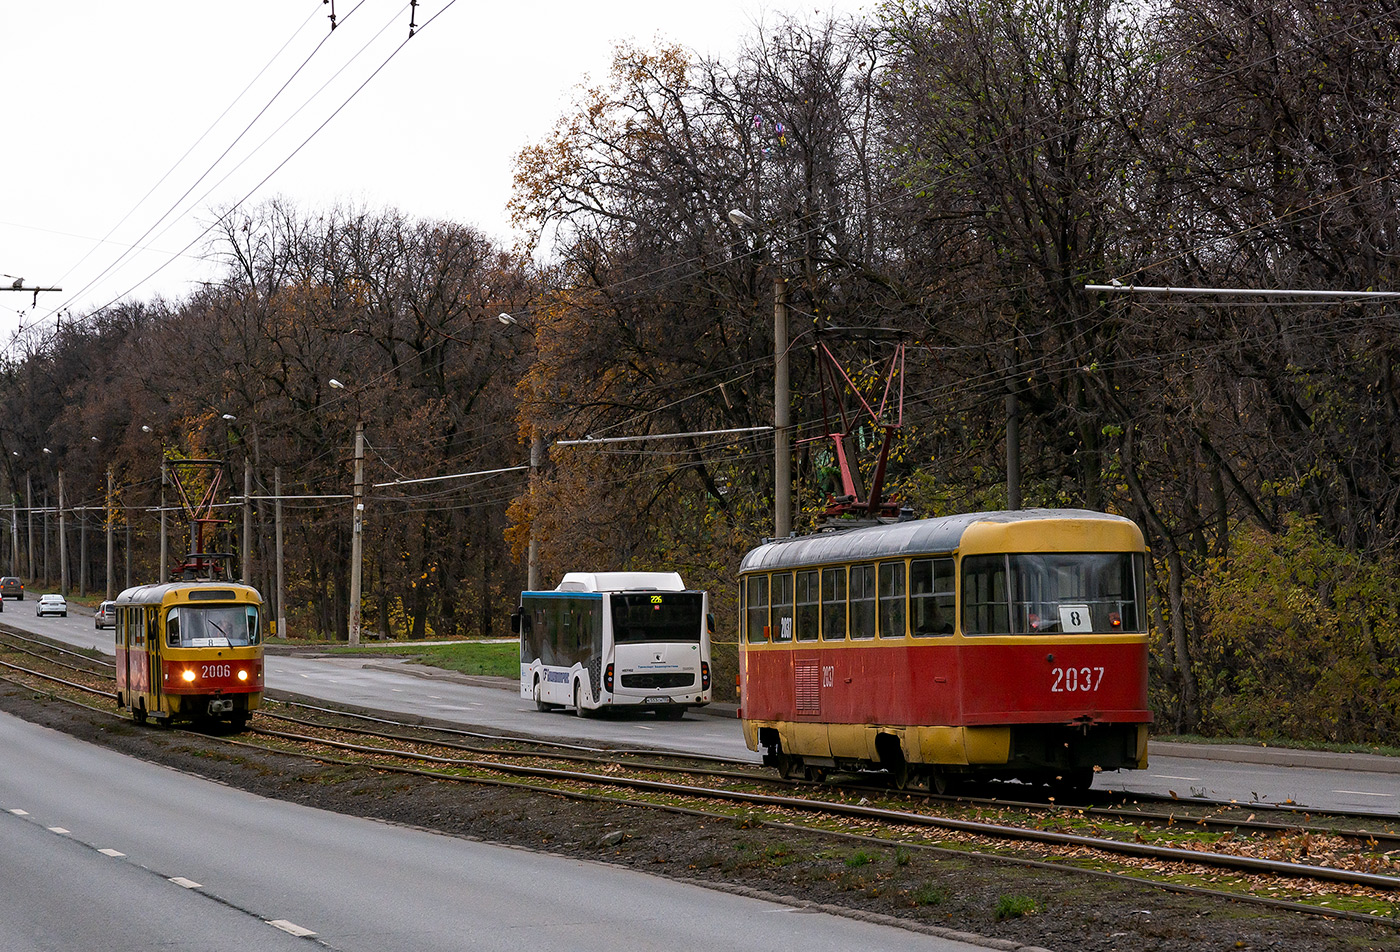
x=931 y=604
x=756 y=620
x=808 y=605
x=782 y=606
x=834 y=604
x=986 y=605
x=863 y=600
x=892 y=600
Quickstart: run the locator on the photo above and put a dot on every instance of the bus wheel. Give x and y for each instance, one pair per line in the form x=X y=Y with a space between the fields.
x=579 y=709
x=540 y=703
x=670 y=713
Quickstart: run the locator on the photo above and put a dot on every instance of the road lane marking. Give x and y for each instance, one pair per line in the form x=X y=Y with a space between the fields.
x=112 y=853
x=1363 y=793
x=1163 y=776
x=18 y=812
x=290 y=927
x=59 y=830
x=187 y=883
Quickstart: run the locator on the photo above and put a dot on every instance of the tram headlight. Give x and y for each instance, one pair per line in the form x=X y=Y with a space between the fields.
x=188 y=675
x=243 y=674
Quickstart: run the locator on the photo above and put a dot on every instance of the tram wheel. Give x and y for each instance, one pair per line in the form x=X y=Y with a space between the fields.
x=138 y=713
x=1075 y=780
x=940 y=782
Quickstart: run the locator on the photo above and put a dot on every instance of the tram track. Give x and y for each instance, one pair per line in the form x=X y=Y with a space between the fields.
x=725 y=796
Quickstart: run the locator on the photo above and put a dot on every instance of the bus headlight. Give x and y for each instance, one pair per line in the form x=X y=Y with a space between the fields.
x=188 y=675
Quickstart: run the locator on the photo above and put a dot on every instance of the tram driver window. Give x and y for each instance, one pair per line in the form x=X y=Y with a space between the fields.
x=931 y=597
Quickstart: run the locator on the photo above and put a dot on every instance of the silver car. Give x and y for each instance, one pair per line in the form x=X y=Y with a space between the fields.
x=51 y=605
x=105 y=616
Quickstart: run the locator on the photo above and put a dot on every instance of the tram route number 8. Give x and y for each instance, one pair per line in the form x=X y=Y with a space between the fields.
x=215 y=670
x=1075 y=679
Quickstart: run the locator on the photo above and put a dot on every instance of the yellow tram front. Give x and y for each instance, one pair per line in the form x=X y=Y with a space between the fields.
x=190 y=651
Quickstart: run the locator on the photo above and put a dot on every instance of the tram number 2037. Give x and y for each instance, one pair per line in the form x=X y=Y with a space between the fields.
x=215 y=671
x=1067 y=680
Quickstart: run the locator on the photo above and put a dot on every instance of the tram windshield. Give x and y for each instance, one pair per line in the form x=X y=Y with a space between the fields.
x=212 y=626
x=1053 y=593
x=657 y=616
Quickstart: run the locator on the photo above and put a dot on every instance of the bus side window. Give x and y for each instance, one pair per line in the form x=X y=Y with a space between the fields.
x=834 y=604
x=863 y=600
x=931 y=597
x=756 y=616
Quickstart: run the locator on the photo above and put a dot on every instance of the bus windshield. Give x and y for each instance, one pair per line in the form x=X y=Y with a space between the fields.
x=657 y=616
x=1052 y=593
x=212 y=626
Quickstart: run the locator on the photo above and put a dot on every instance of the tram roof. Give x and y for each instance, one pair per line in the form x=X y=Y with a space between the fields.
x=896 y=539
x=156 y=592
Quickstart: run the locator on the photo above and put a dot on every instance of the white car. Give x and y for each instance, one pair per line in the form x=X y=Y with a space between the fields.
x=51 y=605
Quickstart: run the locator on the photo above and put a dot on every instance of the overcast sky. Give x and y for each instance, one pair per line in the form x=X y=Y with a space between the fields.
x=104 y=99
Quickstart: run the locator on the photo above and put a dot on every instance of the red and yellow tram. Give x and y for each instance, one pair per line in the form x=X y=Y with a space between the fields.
x=190 y=651
x=996 y=645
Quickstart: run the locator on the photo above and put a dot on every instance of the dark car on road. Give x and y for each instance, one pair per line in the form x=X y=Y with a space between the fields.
x=11 y=587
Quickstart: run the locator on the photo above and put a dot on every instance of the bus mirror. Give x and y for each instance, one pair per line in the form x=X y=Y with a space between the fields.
x=710 y=622
x=515 y=622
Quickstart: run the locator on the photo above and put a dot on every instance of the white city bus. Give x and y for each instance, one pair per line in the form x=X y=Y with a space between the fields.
x=605 y=640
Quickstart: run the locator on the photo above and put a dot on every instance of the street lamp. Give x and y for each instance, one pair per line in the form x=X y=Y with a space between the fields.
x=357 y=525
x=782 y=400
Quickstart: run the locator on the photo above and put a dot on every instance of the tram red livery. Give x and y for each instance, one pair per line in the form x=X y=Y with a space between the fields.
x=998 y=644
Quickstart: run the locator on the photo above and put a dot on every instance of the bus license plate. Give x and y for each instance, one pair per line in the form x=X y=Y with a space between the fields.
x=656 y=699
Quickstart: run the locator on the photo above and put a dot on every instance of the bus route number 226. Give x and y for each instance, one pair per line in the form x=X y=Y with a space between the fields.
x=1065 y=680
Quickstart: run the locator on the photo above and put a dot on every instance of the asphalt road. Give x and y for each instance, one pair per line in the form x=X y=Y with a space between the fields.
x=102 y=851
x=1251 y=775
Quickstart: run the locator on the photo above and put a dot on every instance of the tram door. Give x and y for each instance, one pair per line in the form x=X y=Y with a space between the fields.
x=156 y=679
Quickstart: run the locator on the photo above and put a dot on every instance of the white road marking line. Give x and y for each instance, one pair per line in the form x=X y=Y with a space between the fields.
x=1162 y=776
x=59 y=830
x=1363 y=793
x=290 y=927
x=434 y=697
x=18 y=812
x=187 y=883
x=113 y=853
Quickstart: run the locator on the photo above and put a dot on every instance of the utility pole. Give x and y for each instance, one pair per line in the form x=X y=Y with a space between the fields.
x=782 y=412
x=164 y=480
x=29 y=519
x=532 y=564
x=1013 y=452
x=356 y=533
x=247 y=521
x=82 y=512
x=111 y=542
x=281 y=612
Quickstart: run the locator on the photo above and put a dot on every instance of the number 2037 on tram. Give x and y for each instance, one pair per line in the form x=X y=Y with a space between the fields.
x=190 y=651
x=1008 y=645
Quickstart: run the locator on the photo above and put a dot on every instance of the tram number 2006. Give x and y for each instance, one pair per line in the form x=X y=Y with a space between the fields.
x=1075 y=679
x=215 y=671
